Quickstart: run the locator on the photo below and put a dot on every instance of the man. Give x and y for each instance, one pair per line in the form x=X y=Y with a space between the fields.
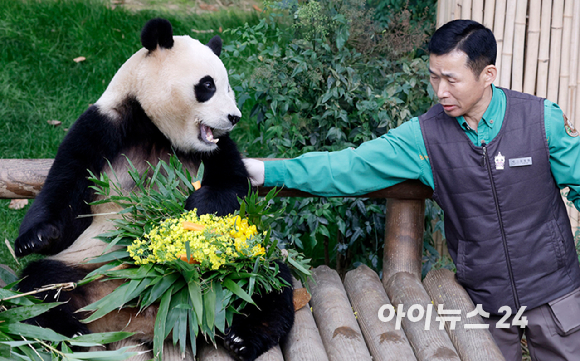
x=496 y=160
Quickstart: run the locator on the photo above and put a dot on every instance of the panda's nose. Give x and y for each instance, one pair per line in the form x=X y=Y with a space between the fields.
x=234 y=119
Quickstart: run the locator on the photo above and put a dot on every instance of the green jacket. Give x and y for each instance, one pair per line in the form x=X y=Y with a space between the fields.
x=401 y=154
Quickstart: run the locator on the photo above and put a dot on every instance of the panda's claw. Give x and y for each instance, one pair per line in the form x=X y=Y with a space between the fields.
x=37 y=239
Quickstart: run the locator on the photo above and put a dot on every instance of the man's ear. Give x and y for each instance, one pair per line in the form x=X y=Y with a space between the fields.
x=489 y=74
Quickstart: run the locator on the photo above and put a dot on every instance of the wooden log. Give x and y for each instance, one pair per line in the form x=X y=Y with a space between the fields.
x=304 y=342
x=404 y=227
x=544 y=52
x=498 y=29
x=208 y=352
x=532 y=43
x=22 y=178
x=517 y=83
x=508 y=44
x=433 y=344
x=565 y=56
x=474 y=344
x=555 y=49
x=367 y=296
x=333 y=313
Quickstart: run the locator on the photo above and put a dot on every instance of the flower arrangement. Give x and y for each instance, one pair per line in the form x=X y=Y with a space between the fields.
x=199 y=269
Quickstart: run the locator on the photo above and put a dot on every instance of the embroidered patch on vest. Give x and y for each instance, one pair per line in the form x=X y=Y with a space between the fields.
x=499 y=161
x=569 y=127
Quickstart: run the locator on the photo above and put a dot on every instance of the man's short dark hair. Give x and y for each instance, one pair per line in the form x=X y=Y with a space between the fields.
x=470 y=37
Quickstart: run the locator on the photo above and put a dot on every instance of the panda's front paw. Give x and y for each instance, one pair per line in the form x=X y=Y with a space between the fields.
x=238 y=347
x=37 y=239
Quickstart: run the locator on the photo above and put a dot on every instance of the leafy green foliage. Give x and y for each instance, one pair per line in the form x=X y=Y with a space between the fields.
x=22 y=341
x=320 y=82
x=190 y=300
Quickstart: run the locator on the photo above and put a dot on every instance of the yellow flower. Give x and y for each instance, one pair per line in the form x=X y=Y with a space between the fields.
x=213 y=241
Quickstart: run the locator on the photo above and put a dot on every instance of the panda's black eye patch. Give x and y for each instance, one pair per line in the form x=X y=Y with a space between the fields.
x=205 y=89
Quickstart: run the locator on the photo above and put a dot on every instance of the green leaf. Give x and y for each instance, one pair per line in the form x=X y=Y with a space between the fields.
x=196 y=298
x=160 y=322
x=209 y=307
x=22 y=313
x=237 y=290
x=31 y=331
x=101 y=338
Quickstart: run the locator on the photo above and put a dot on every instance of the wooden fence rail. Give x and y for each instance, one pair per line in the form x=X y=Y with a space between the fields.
x=343 y=324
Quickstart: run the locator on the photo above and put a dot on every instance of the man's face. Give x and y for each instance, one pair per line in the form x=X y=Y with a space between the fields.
x=459 y=90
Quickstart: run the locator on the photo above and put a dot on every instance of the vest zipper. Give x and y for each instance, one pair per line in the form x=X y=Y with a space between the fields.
x=503 y=237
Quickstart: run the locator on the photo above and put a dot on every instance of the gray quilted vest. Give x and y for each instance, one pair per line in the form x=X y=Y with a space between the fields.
x=505 y=222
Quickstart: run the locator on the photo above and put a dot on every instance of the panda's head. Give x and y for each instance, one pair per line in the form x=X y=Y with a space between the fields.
x=182 y=86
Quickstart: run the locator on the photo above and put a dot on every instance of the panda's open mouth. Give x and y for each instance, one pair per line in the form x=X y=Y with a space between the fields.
x=206 y=134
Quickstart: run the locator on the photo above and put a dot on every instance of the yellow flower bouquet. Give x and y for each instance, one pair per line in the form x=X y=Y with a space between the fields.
x=199 y=269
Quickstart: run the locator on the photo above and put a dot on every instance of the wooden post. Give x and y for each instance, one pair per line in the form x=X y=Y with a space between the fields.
x=474 y=344
x=404 y=227
x=334 y=316
x=430 y=343
x=367 y=296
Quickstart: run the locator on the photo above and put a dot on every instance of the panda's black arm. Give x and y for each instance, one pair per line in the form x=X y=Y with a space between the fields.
x=52 y=224
x=225 y=178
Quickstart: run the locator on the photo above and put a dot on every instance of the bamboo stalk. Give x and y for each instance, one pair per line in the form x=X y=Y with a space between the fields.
x=441 y=12
x=498 y=29
x=532 y=42
x=457 y=9
x=508 y=44
x=466 y=9
x=488 y=14
x=565 y=56
x=544 y=52
x=477 y=11
x=555 y=49
x=573 y=86
x=518 y=49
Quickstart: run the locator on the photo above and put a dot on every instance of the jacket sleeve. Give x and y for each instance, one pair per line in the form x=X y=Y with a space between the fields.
x=380 y=163
x=564 y=145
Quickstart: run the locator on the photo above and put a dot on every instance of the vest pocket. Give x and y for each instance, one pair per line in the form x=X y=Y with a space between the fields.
x=557 y=242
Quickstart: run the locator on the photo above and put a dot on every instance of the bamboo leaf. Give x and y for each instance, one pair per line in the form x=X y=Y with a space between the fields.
x=22 y=313
x=237 y=290
x=31 y=331
x=160 y=321
x=196 y=298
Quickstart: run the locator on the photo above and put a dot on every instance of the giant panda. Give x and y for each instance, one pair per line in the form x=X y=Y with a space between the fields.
x=171 y=97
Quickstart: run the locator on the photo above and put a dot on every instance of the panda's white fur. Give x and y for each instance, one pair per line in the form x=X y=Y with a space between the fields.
x=173 y=96
x=161 y=82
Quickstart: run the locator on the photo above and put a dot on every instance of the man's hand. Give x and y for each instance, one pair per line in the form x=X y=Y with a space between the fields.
x=255 y=169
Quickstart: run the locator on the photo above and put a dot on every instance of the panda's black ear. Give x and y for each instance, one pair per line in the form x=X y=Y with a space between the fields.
x=215 y=44
x=157 y=31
